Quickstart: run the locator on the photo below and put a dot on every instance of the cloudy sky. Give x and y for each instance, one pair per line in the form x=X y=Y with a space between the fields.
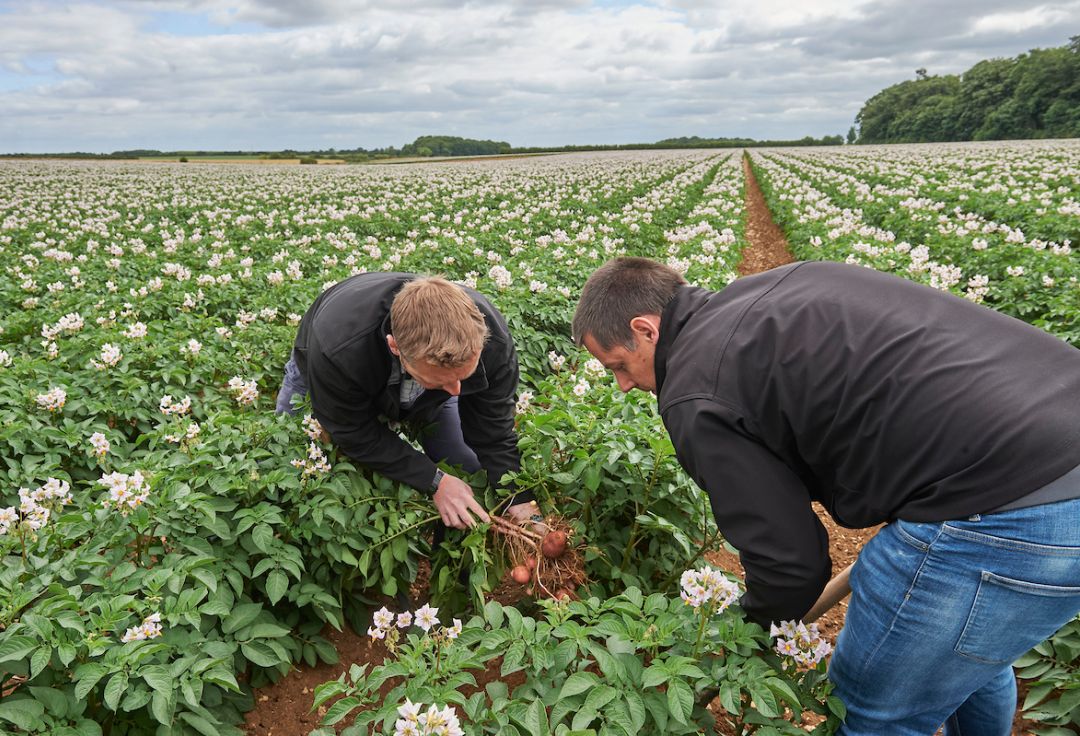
x=271 y=74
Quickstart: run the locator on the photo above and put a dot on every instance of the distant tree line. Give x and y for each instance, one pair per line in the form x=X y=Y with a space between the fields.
x=1034 y=95
x=687 y=142
x=439 y=146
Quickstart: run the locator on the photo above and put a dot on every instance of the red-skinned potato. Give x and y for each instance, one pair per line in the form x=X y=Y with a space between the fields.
x=554 y=544
x=520 y=574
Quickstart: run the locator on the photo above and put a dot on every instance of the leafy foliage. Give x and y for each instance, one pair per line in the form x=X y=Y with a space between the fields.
x=619 y=666
x=1034 y=95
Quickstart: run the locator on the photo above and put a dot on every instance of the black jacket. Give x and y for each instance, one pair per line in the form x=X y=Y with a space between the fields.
x=341 y=350
x=880 y=398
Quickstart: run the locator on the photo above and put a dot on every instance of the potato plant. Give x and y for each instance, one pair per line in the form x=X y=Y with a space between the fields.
x=620 y=666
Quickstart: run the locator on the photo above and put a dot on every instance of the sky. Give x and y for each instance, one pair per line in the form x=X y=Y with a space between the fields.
x=256 y=75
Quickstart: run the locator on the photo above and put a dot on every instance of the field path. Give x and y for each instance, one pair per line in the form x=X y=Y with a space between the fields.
x=768 y=246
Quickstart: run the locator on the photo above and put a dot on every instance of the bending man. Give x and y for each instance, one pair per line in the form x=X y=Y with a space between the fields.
x=885 y=401
x=384 y=348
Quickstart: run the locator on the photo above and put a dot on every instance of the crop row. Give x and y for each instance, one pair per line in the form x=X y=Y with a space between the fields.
x=944 y=224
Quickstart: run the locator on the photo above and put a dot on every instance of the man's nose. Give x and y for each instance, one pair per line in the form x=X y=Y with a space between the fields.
x=453 y=388
x=625 y=384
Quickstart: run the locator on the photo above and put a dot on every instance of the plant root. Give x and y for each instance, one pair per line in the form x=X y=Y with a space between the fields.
x=552 y=577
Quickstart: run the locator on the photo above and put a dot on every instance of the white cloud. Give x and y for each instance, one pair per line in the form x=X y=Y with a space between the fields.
x=347 y=73
x=1038 y=17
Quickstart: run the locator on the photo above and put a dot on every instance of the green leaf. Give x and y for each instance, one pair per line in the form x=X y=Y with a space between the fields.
x=116 y=687
x=268 y=631
x=654 y=675
x=86 y=727
x=277 y=585
x=513 y=620
x=582 y=718
x=200 y=724
x=162 y=706
x=205 y=577
x=512 y=659
x=1070 y=699
x=340 y=709
x=215 y=608
x=259 y=653
x=328 y=690
x=578 y=682
x=16 y=647
x=24 y=713
x=609 y=666
x=764 y=700
x=40 y=660
x=493 y=614
x=536 y=721
x=598 y=697
x=690 y=670
x=617 y=716
x=67 y=653
x=731 y=697
x=636 y=706
x=157 y=676
x=240 y=617
x=135 y=699
x=222 y=678
x=783 y=690
x=55 y=701
x=87 y=676
x=680 y=700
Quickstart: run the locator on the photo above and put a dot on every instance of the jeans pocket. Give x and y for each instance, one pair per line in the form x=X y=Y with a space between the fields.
x=1009 y=617
x=911 y=532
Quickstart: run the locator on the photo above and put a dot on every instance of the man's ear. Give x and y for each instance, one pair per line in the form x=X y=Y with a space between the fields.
x=646 y=327
x=392 y=344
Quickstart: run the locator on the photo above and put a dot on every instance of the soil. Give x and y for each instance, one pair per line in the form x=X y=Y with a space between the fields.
x=284 y=708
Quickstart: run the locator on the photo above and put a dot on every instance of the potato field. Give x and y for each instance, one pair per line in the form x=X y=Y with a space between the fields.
x=170 y=544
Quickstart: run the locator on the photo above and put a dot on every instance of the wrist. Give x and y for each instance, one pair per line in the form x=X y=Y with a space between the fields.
x=437 y=479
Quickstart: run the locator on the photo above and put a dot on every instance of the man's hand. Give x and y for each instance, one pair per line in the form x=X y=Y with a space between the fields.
x=454 y=500
x=523 y=512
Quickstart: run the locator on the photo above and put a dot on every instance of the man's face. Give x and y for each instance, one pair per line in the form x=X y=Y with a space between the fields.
x=632 y=368
x=436 y=377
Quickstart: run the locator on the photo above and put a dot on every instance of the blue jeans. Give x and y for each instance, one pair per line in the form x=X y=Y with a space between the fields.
x=442 y=440
x=939 y=611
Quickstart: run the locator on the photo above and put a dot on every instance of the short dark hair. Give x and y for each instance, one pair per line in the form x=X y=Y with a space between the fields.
x=617 y=292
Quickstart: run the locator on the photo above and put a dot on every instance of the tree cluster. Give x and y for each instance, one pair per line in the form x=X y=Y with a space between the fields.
x=448 y=145
x=1034 y=95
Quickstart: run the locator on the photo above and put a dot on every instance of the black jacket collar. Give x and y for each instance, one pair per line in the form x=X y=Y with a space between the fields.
x=679 y=311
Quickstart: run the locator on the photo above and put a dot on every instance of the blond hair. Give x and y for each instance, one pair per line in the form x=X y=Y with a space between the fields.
x=436 y=322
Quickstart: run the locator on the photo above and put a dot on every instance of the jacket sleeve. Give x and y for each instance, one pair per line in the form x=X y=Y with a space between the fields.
x=348 y=413
x=487 y=419
x=761 y=507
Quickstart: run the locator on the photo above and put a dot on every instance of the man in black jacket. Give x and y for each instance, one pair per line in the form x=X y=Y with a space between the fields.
x=885 y=401
x=382 y=348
